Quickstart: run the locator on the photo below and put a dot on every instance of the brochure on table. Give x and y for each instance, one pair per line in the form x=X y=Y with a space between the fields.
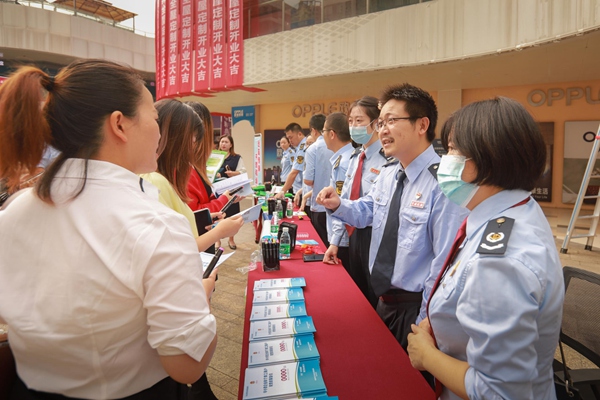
x=274 y=311
x=302 y=378
x=214 y=162
x=268 y=284
x=278 y=328
x=297 y=348
x=234 y=182
x=278 y=296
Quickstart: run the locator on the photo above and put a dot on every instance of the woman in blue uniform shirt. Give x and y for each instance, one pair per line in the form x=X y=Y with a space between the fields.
x=496 y=309
x=286 y=158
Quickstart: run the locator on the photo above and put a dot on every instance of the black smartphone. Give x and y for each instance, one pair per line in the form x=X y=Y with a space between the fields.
x=213 y=263
x=312 y=257
x=237 y=189
x=229 y=203
x=203 y=219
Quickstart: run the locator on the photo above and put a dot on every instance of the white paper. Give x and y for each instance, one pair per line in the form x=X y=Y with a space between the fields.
x=250 y=214
x=207 y=257
x=234 y=182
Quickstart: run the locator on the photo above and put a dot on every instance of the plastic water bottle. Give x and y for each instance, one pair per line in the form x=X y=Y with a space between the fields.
x=290 y=209
x=279 y=210
x=285 y=244
x=274 y=225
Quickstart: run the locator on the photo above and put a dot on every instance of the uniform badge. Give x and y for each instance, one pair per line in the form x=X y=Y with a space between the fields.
x=496 y=235
x=338 y=187
x=418 y=195
x=337 y=162
x=302 y=146
x=292 y=158
x=417 y=204
x=375 y=171
x=300 y=159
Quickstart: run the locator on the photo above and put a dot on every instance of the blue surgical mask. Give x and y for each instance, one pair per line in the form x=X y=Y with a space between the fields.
x=359 y=134
x=450 y=181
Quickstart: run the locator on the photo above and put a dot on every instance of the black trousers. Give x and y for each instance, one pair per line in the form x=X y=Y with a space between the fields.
x=166 y=389
x=319 y=222
x=344 y=256
x=360 y=241
x=398 y=316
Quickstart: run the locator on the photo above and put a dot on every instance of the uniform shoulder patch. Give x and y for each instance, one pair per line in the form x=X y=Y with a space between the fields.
x=496 y=235
x=337 y=162
x=302 y=146
x=391 y=161
x=300 y=159
x=433 y=168
x=339 y=185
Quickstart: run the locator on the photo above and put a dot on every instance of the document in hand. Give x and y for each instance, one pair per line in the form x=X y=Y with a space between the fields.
x=233 y=183
x=250 y=214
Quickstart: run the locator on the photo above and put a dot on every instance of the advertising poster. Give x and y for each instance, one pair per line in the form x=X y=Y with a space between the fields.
x=579 y=140
x=543 y=187
x=272 y=154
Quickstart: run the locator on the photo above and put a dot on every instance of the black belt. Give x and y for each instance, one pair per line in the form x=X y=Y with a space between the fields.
x=401 y=296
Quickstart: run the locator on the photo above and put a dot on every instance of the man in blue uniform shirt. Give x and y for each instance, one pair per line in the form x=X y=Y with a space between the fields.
x=409 y=243
x=336 y=134
x=317 y=174
x=294 y=179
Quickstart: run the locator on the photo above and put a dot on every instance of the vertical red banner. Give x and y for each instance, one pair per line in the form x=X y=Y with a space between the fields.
x=173 y=48
x=160 y=48
x=186 y=59
x=235 y=64
x=218 y=59
x=202 y=42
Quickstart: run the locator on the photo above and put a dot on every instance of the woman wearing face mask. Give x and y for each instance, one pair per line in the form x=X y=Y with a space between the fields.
x=364 y=167
x=495 y=310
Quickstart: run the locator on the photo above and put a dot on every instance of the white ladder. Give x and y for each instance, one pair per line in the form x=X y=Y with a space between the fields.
x=580 y=197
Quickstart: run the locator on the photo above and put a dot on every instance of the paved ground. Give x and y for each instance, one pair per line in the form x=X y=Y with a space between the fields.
x=229 y=300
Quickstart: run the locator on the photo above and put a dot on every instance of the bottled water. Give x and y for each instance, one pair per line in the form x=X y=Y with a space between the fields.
x=274 y=225
x=285 y=244
x=290 y=209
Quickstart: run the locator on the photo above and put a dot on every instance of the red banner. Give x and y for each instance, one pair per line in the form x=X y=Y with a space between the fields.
x=235 y=72
x=160 y=48
x=202 y=33
x=218 y=57
x=173 y=48
x=186 y=60
x=199 y=46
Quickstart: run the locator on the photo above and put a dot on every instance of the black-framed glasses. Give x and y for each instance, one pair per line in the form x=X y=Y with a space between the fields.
x=391 y=121
x=324 y=131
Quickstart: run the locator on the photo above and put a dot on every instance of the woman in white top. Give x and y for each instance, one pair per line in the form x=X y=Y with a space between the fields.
x=101 y=284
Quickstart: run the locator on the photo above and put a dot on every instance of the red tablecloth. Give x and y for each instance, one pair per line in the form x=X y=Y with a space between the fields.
x=360 y=359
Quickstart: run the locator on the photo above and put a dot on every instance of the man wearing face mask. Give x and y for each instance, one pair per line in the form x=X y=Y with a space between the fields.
x=414 y=224
x=364 y=168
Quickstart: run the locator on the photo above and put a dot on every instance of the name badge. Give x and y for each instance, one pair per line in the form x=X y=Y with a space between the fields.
x=417 y=204
x=375 y=171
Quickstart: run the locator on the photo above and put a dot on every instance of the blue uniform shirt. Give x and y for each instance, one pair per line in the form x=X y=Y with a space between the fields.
x=337 y=234
x=298 y=165
x=372 y=165
x=318 y=170
x=428 y=223
x=286 y=163
x=502 y=313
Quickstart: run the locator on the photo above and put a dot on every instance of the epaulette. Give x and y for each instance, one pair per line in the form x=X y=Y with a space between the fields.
x=496 y=235
x=382 y=154
x=356 y=152
x=433 y=168
x=391 y=161
x=337 y=162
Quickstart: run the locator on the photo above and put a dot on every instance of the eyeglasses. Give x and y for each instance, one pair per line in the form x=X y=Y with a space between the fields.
x=324 y=131
x=391 y=121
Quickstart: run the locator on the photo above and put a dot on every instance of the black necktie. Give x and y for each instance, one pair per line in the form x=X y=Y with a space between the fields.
x=383 y=267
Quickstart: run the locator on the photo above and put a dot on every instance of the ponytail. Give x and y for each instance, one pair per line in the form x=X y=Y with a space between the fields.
x=24 y=129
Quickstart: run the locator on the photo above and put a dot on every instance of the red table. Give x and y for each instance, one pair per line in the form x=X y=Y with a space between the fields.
x=360 y=358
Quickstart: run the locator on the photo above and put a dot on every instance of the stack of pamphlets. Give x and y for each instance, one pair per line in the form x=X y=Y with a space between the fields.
x=283 y=360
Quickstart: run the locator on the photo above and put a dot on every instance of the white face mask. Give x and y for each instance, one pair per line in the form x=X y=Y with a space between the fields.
x=451 y=183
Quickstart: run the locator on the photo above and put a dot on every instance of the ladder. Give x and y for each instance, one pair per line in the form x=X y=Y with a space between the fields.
x=589 y=174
